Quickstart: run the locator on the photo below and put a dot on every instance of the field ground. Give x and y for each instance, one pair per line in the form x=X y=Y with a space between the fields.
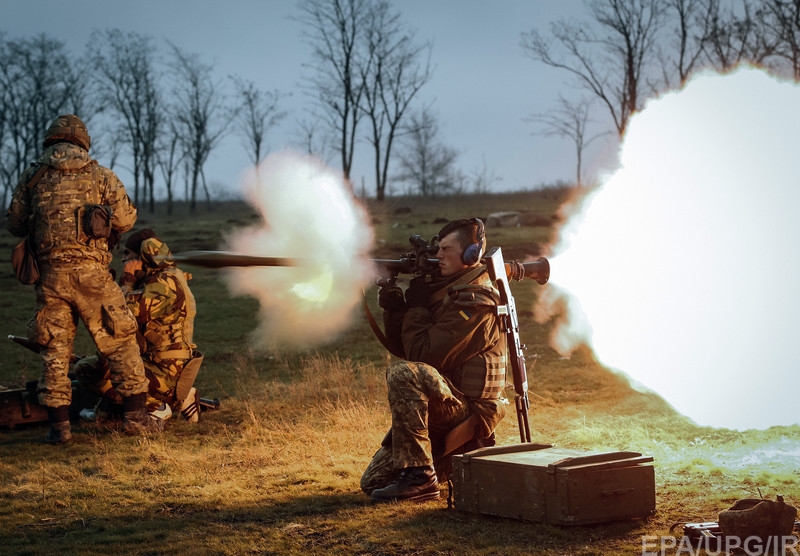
x=276 y=469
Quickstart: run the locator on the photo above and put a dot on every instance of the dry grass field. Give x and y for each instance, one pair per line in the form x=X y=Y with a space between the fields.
x=276 y=469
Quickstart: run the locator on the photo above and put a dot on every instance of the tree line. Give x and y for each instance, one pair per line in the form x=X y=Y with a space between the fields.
x=163 y=110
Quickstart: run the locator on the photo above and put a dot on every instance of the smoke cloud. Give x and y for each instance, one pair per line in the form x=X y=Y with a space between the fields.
x=308 y=213
x=682 y=270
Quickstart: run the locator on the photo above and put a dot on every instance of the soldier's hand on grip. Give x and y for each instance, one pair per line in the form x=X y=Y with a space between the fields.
x=390 y=298
x=418 y=293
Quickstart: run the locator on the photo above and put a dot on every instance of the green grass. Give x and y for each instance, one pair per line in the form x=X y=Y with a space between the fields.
x=276 y=470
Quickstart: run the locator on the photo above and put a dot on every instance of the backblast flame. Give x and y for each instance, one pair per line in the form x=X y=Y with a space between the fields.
x=682 y=269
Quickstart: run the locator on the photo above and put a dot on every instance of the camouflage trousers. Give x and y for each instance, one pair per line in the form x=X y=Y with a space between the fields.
x=94 y=375
x=88 y=293
x=425 y=407
x=163 y=377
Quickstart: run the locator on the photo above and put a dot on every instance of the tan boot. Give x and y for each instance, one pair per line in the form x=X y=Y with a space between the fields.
x=190 y=409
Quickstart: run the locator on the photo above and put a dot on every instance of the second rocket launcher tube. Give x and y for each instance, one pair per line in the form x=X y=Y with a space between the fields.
x=221 y=259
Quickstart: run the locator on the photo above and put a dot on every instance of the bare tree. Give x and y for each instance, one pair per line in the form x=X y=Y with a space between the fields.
x=38 y=81
x=313 y=138
x=169 y=158
x=256 y=113
x=684 y=52
x=610 y=64
x=127 y=81
x=780 y=20
x=569 y=119
x=5 y=133
x=198 y=112
x=425 y=163
x=393 y=75
x=483 y=178
x=736 y=34
x=333 y=28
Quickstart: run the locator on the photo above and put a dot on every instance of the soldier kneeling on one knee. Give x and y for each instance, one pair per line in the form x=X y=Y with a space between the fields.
x=158 y=294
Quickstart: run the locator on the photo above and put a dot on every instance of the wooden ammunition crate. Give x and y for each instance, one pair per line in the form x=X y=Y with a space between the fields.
x=540 y=483
x=19 y=406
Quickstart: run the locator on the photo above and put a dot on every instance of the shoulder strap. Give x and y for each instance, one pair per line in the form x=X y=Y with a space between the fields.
x=37 y=176
x=191 y=305
x=442 y=293
x=28 y=187
x=95 y=183
x=377 y=329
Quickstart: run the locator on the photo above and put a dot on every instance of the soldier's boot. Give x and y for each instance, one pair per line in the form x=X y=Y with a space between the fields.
x=136 y=420
x=190 y=409
x=415 y=484
x=59 y=432
x=162 y=412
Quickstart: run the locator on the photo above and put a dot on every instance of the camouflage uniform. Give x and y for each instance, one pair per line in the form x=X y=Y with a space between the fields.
x=75 y=280
x=456 y=359
x=164 y=308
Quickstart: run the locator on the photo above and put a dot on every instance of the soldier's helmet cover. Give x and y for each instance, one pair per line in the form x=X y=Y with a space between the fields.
x=70 y=128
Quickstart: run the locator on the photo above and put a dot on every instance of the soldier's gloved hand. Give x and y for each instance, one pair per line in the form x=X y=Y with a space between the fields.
x=418 y=293
x=390 y=298
x=130 y=271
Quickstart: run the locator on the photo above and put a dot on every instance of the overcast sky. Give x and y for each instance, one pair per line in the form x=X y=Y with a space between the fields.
x=483 y=87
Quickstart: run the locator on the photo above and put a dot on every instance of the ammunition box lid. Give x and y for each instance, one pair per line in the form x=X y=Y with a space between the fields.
x=551 y=459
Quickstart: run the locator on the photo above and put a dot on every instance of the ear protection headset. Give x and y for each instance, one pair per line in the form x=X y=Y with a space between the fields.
x=472 y=254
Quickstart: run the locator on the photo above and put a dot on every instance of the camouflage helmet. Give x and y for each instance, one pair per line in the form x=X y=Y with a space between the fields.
x=70 y=128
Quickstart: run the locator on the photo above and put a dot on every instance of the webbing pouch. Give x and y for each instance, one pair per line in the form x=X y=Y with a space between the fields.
x=97 y=221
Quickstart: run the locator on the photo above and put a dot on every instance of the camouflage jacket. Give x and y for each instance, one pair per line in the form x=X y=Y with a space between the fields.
x=51 y=209
x=458 y=334
x=163 y=305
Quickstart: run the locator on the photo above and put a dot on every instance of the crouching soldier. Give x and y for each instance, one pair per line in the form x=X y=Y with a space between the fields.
x=158 y=295
x=447 y=393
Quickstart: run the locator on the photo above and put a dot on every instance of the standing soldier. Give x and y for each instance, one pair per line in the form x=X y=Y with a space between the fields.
x=72 y=209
